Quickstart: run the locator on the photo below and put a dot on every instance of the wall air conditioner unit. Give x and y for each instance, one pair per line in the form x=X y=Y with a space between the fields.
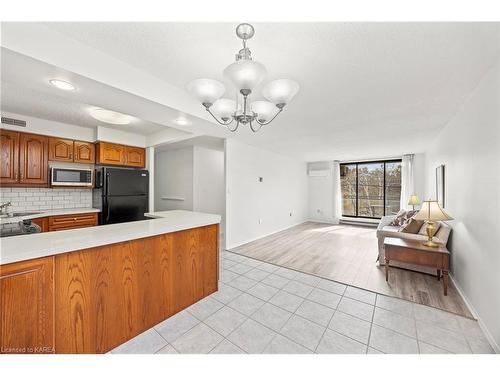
x=317 y=173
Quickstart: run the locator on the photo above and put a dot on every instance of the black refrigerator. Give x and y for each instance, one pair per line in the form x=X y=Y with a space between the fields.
x=121 y=194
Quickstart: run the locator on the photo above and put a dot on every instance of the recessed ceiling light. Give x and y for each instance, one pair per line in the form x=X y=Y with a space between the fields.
x=181 y=121
x=63 y=85
x=111 y=117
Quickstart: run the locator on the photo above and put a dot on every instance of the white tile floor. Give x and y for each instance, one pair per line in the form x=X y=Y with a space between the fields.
x=263 y=308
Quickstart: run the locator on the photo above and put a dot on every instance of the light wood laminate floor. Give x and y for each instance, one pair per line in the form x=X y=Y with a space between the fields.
x=347 y=254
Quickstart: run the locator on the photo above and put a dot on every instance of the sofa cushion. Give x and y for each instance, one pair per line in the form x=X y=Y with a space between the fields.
x=399 y=219
x=423 y=228
x=390 y=228
x=412 y=226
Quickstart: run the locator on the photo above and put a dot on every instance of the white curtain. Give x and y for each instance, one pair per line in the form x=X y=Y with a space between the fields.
x=337 y=194
x=407 y=180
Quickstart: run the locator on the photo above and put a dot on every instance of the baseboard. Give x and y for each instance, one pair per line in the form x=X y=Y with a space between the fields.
x=322 y=221
x=483 y=327
x=265 y=235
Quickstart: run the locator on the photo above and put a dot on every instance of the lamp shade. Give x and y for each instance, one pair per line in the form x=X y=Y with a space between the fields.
x=280 y=91
x=206 y=90
x=264 y=110
x=224 y=108
x=413 y=201
x=245 y=74
x=431 y=211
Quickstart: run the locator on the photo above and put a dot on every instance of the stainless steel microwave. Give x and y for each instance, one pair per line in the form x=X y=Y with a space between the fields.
x=71 y=177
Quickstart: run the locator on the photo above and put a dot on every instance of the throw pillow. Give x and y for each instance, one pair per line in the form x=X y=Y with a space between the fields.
x=423 y=229
x=399 y=219
x=408 y=216
x=412 y=226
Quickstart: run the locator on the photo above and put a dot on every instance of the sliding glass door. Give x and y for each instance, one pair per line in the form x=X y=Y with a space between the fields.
x=370 y=189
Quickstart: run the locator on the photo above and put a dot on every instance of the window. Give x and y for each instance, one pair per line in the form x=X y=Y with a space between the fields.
x=370 y=189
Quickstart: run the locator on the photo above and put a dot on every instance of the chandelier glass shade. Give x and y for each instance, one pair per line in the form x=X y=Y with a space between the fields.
x=245 y=75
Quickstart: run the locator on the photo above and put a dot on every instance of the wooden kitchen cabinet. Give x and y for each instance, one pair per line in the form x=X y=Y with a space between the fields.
x=135 y=157
x=33 y=159
x=60 y=149
x=27 y=301
x=121 y=155
x=70 y=151
x=84 y=152
x=63 y=222
x=107 y=295
x=9 y=151
x=110 y=153
x=43 y=222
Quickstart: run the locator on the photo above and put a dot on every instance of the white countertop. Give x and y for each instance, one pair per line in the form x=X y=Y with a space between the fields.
x=45 y=213
x=31 y=246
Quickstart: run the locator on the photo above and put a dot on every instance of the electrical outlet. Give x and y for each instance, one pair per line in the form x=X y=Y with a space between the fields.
x=290 y=214
x=260 y=221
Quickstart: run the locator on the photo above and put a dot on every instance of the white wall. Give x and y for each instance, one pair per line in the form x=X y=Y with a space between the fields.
x=119 y=136
x=208 y=180
x=82 y=133
x=283 y=191
x=174 y=179
x=321 y=192
x=50 y=128
x=209 y=184
x=469 y=147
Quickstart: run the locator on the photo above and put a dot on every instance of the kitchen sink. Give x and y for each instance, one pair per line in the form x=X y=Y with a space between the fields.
x=19 y=214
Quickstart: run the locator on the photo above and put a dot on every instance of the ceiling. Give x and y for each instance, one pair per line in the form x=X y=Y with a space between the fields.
x=367 y=89
x=26 y=90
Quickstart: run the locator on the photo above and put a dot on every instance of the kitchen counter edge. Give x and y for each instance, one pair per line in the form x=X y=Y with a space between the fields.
x=20 y=248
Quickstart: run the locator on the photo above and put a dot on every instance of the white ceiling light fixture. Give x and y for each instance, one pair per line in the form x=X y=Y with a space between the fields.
x=245 y=74
x=62 y=85
x=111 y=117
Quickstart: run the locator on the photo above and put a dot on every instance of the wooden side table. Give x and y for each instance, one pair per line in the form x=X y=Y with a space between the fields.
x=414 y=252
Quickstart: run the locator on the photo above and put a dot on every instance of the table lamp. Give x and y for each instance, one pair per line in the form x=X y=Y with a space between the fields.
x=413 y=201
x=431 y=212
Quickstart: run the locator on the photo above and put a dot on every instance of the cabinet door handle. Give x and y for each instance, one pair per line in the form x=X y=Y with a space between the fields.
x=15 y=176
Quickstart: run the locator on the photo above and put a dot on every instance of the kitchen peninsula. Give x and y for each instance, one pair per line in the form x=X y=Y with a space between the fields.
x=89 y=290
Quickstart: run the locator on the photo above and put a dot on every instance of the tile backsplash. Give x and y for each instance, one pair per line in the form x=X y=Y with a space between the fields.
x=28 y=199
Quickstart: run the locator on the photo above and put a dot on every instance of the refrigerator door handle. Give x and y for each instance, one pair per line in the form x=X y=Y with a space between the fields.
x=107 y=210
x=106 y=187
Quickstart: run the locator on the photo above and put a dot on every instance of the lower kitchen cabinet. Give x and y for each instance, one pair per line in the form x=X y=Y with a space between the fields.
x=63 y=222
x=27 y=307
x=107 y=295
x=43 y=222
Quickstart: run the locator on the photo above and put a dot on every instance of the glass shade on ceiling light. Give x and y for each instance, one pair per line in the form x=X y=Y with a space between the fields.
x=265 y=110
x=206 y=90
x=245 y=74
x=224 y=108
x=280 y=91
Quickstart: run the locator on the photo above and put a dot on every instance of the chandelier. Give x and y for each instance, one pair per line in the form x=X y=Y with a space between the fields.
x=245 y=74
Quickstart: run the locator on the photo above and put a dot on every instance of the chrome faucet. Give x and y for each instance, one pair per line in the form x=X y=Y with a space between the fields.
x=4 y=206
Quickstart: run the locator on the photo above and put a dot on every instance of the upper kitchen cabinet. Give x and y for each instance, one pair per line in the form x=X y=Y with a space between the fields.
x=84 y=152
x=115 y=154
x=24 y=159
x=60 y=149
x=9 y=163
x=67 y=150
x=110 y=153
x=135 y=157
x=33 y=159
